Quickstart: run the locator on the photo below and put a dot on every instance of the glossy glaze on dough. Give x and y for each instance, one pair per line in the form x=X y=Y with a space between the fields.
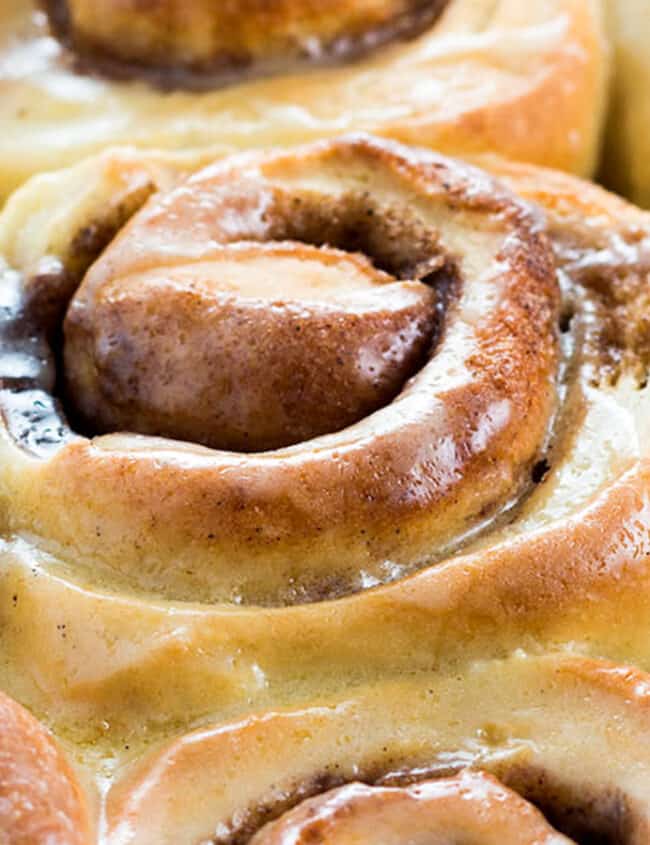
x=279 y=343
x=41 y=799
x=210 y=718
x=542 y=725
x=527 y=80
x=465 y=429
x=467 y=805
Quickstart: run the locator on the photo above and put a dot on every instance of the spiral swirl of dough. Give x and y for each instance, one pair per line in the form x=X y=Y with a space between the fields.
x=473 y=656
x=466 y=806
x=181 y=330
x=422 y=762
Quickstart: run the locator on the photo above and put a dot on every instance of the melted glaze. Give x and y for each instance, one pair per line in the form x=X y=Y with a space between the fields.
x=405 y=677
x=27 y=374
x=541 y=719
x=441 y=458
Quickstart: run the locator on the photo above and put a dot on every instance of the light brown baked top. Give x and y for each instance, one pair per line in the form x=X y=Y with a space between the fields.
x=141 y=640
x=471 y=758
x=527 y=81
x=197 y=42
x=158 y=341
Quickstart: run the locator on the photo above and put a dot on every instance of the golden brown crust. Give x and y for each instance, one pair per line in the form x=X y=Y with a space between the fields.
x=469 y=806
x=201 y=35
x=465 y=430
x=253 y=347
x=541 y=724
x=527 y=81
x=581 y=583
x=41 y=800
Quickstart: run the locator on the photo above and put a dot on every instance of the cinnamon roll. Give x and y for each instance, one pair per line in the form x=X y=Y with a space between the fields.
x=420 y=762
x=40 y=798
x=459 y=75
x=487 y=412
x=170 y=36
x=350 y=436
x=236 y=312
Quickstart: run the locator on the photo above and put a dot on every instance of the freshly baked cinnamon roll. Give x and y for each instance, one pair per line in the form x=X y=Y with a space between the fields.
x=354 y=415
x=351 y=436
x=422 y=763
x=459 y=75
x=40 y=798
x=297 y=376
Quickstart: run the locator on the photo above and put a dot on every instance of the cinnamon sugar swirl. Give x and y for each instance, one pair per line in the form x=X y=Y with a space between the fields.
x=432 y=583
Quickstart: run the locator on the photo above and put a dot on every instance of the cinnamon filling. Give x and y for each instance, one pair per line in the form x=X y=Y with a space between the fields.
x=255 y=345
x=531 y=800
x=200 y=44
x=28 y=371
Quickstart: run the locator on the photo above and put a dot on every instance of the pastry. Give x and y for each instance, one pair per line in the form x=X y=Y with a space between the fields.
x=335 y=406
x=462 y=76
x=421 y=761
x=625 y=158
x=171 y=38
x=42 y=801
x=434 y=586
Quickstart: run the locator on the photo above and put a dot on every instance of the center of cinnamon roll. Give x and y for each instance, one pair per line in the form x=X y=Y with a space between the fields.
x=182 y=40
x=400 y=258
x=253 y=347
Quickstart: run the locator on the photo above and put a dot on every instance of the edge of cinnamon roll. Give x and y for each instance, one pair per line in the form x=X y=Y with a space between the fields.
x=503 y=68
x=42 y=800
x=201 y=46
x=543 y=728
x=576 y=550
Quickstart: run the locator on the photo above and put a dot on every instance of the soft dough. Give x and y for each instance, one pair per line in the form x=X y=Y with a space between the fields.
x=191 y=708
x=523 y=79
